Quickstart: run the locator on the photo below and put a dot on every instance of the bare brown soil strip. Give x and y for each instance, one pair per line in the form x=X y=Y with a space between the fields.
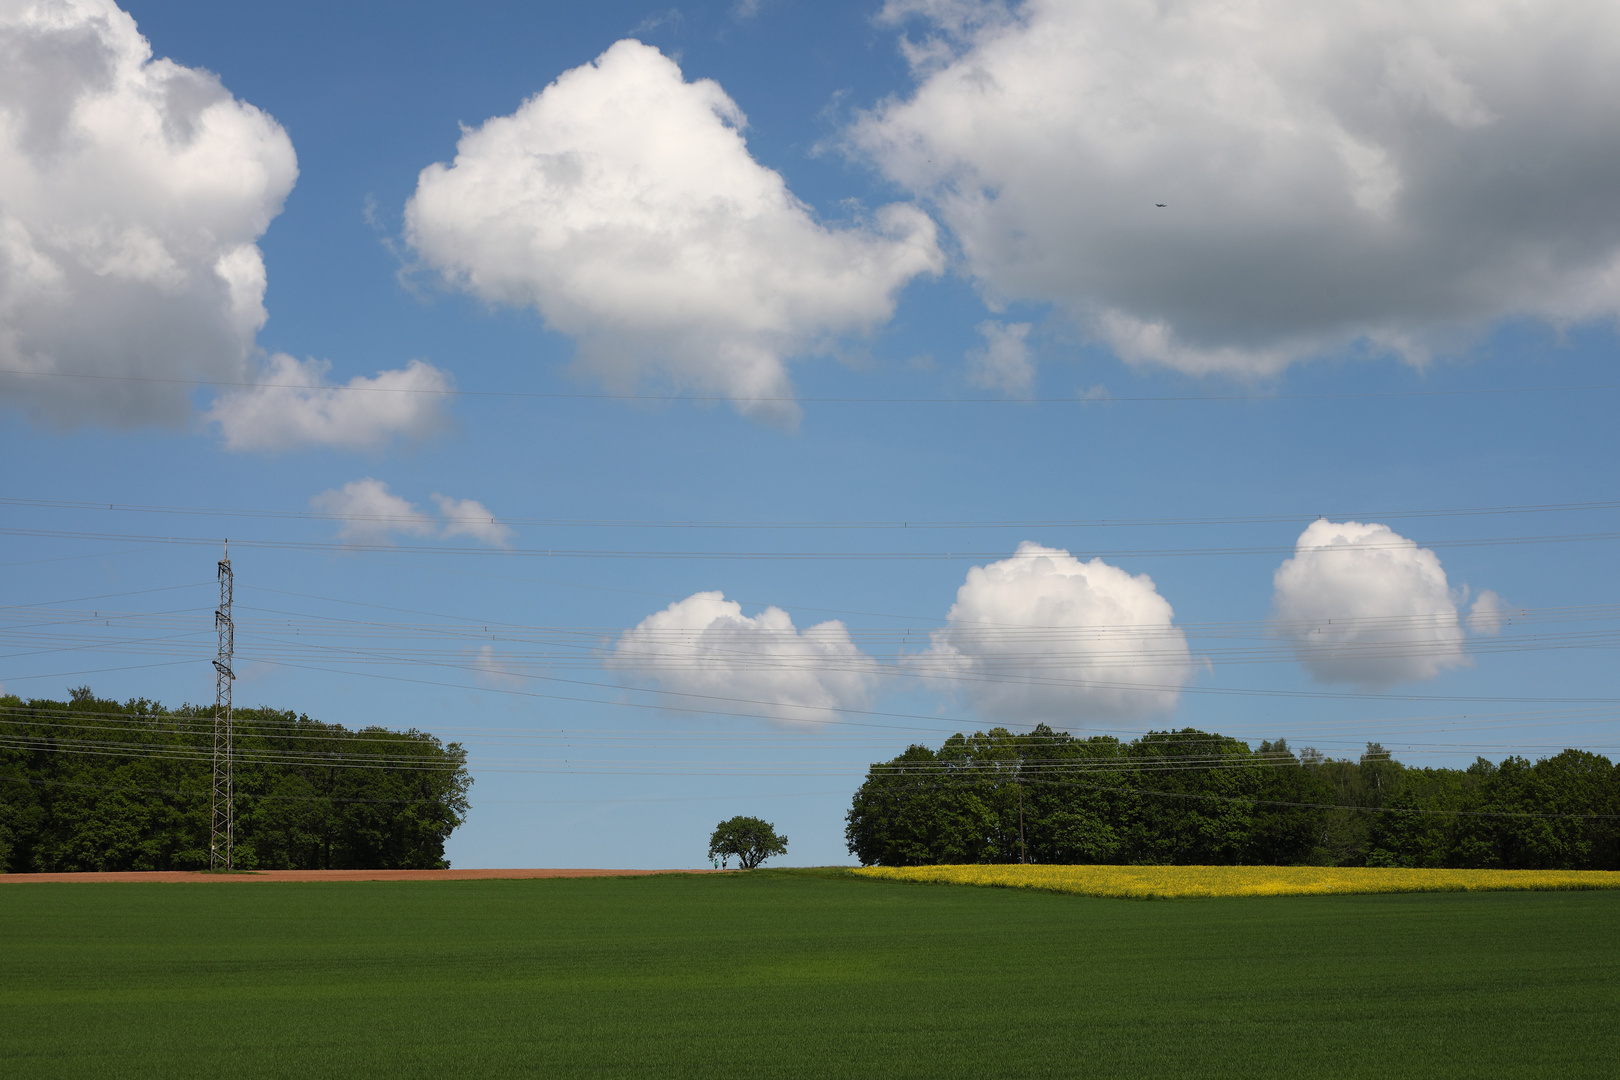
x=336 y=875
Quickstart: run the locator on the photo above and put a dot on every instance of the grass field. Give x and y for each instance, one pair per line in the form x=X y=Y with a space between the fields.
x=797 y=974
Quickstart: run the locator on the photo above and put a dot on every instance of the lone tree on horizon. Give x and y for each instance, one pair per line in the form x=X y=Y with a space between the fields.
x=751 y=840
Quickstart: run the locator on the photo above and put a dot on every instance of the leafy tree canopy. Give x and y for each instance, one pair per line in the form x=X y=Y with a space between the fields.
x=1193 y=797
x=92 y=784
x=749 y=839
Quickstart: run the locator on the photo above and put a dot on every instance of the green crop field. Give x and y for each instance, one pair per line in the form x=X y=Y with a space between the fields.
x=790 y=974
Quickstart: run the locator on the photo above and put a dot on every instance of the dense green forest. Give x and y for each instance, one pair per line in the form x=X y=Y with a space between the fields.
x=90 y=784
x=1190 y=797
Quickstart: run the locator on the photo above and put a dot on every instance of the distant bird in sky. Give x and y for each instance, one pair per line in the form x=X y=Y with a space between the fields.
x=1160 y=205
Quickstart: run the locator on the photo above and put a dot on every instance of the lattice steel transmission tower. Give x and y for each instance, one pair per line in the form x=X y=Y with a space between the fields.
x=223 y=835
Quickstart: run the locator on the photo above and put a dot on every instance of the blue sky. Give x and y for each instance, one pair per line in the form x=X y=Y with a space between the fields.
x=853 y=312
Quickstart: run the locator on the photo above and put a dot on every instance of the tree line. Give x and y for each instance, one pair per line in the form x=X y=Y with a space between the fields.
x=93 y=784
x=1190 y=797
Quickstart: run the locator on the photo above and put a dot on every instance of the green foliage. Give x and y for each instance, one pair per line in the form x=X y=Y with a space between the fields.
x=748 y=839
x=790 y=975
x=1190 y=797
x=92 y=784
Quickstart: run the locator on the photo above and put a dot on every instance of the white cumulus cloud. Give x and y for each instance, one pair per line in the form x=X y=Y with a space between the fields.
x=704 y=645
x=1364 y=605
x=1377 y=175
x=132 y=194
x=468 y=517
x=622 y=203
x=1042 y=636
x=292 y=405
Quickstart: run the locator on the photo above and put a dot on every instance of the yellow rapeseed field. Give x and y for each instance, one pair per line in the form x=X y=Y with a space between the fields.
x=1203 y=881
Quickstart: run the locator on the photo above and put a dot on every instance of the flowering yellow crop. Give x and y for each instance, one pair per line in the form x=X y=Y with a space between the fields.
x=1190 y=881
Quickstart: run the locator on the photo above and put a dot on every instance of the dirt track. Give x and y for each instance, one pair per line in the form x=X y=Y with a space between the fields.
x=333 y=875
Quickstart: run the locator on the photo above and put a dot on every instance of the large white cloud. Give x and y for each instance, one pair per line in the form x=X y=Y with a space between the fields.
x=1042 y=636
x=132 y=192
x=1390 y=175
x=292 y=405
x=1366 y=606
x=705 y=645
x=622 y=203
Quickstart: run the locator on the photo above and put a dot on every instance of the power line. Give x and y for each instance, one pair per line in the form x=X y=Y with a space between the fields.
x=901 y=525
x=800 y=556
x=1251 y=800
x=1126 y=761
x=990 y=676
x=190 y=717
x=177 y=792
x=989 y=776
x=814 y=400
x=105 y=596
x=23 y=724
x=1020 y=667
x=414 y=802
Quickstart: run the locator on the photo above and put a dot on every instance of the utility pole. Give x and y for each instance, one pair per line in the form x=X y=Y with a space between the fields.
x=222 y=834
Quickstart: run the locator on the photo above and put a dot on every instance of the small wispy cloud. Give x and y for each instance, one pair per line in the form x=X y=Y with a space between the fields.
x=468 y=517
x=1004 y=363
x=1487 y=614
x=368 y=513
x=658 y=20
x=493 y=669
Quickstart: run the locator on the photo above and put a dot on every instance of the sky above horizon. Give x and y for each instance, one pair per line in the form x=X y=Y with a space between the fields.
x=685 y=407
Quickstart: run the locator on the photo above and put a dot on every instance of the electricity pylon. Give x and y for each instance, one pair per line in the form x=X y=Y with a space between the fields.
x=222 y=835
